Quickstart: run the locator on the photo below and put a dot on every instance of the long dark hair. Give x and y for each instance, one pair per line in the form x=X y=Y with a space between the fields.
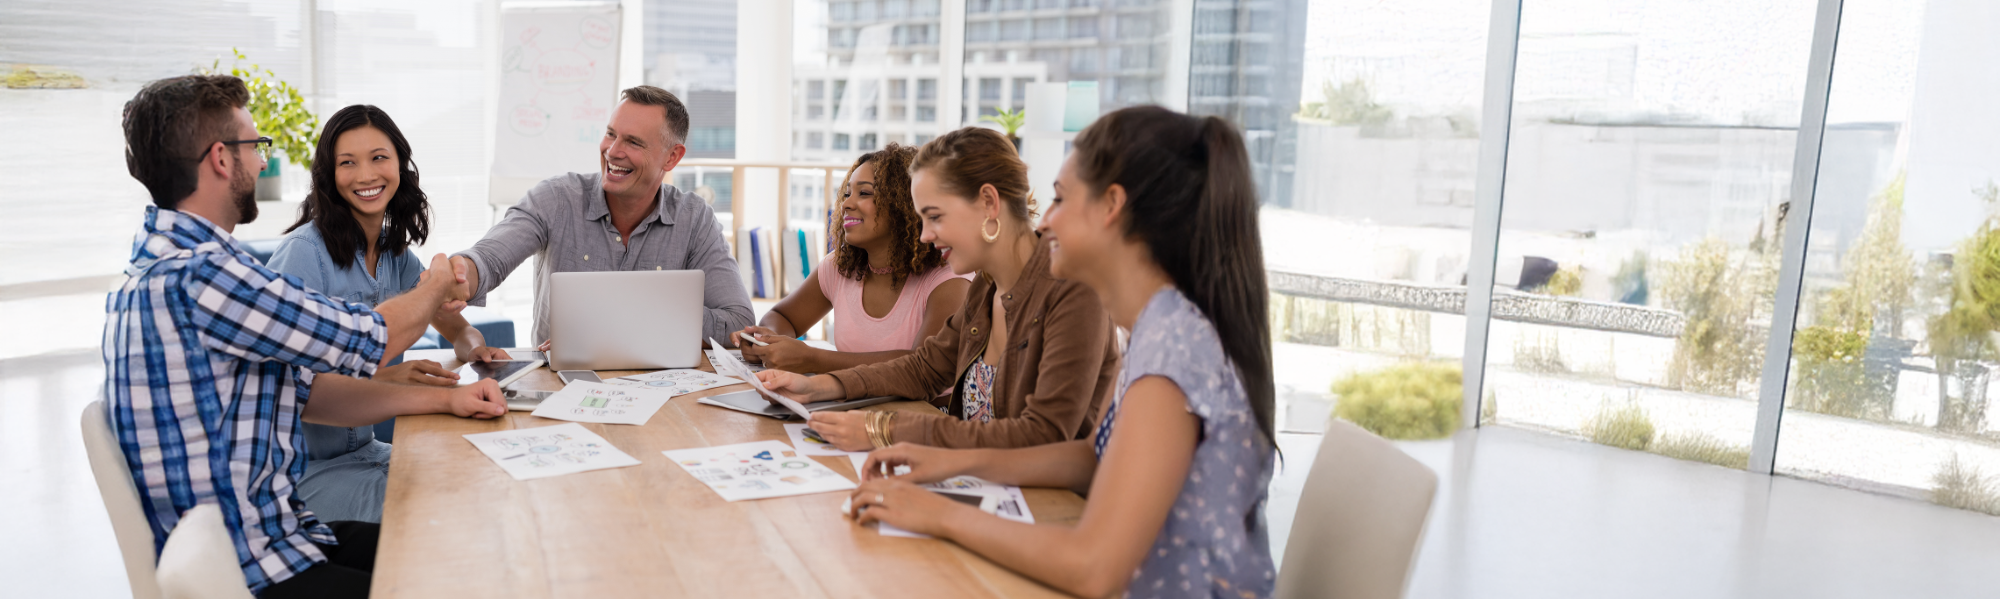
x=897 y=211
x=1190 y=198
x=407 y=220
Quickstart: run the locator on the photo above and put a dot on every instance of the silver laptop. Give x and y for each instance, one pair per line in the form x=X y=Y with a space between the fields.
x=638 y=320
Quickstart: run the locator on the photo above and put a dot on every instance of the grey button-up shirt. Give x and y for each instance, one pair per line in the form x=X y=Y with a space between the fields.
x=565 y=223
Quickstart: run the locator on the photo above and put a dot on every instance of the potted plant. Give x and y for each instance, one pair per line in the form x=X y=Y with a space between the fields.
x=1010 y=121
x=280 y=112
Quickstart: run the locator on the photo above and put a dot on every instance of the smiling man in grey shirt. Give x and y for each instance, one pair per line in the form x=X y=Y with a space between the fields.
x=620 y=218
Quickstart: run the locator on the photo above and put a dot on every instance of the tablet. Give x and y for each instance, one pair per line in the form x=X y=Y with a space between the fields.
x=502 y=372
x=754 y=403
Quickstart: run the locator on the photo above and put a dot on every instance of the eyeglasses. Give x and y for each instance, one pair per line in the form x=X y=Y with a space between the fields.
x=263 y=146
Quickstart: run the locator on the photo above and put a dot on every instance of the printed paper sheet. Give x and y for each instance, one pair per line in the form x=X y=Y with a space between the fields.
x=676 y=382
x=759 y=470
x=1012 y=505
x=549 y=451
x=585 y=401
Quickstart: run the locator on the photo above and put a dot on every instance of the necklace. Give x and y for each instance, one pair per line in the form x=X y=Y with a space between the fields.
x=881 y=271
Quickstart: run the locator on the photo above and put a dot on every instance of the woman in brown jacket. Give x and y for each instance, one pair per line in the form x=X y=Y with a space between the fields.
x=1030 y=357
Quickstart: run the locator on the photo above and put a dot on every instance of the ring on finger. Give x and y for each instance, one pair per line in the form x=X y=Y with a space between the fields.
x=880 y=500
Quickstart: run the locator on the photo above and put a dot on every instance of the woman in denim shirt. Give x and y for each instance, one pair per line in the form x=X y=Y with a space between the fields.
x=1156 y=211
x=352 y=241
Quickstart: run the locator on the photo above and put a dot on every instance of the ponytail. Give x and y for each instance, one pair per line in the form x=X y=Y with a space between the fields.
x=1192 y=201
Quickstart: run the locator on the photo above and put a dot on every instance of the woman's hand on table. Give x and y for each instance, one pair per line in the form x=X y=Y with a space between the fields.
x=927 y=464
x=417 y=372
x=845 y=430
x=482 y=400
x=905 y=505
x=485 y=354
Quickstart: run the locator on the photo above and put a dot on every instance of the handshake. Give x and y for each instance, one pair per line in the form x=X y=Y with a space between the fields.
x=446 y=280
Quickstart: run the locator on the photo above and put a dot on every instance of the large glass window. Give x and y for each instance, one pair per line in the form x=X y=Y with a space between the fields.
x=1004 y=52
x=1649 y=168
x=1358 y=115
x=864 y=68
x=691 y=51
x=1894 y=354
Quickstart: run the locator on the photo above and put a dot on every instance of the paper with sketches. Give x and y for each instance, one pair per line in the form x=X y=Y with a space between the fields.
x=758 y=470
x=676 y=382
x=808 y=446
x=585 y=401
x=1006 y=500
x=549 y=451
x=733 y=367
x=717 y=356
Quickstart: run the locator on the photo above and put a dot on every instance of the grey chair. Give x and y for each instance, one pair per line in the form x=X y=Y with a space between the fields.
x=1360 y=520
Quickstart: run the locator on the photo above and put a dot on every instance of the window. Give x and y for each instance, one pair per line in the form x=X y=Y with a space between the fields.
x=1014 y=30
x=1049 y=29
x=696 y=60
x=1343 y=174
x=1085 y=27
x=815 y=140
x=868 y=142
x=1649 y=180
x=1890 y=386
x=863 y=72
x=1020 y=92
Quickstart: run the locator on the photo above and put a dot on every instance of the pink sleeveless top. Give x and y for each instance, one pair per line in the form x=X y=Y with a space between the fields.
x=855 y=331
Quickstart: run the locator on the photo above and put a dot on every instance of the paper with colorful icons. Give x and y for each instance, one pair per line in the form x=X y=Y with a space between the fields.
x=549 y=451
x=759 y=470
x=1006 y=501
x=675 y=382
x=585 y=401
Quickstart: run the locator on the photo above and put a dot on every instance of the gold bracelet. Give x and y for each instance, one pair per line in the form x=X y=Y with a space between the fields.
x=880 y=437
x=868 y=426
x=888 y=428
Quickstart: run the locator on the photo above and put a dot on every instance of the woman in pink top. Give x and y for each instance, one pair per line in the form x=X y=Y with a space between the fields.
x=887 y=289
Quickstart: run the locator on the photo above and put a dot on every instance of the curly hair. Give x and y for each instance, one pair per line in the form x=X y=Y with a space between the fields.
x=897 y=213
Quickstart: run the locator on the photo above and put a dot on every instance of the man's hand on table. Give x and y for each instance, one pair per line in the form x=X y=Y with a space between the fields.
x=480 y=400
x=417 y=372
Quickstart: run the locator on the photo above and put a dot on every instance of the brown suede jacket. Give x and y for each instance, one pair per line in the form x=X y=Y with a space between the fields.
x=1059 y=367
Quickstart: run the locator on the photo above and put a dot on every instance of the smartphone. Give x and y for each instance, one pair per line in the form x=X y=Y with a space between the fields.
x=571 y=376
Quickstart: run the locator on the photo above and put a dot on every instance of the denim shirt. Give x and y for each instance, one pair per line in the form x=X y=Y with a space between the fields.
x=303 y=254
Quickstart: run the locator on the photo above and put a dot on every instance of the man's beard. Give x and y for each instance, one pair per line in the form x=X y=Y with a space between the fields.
x=243 y=188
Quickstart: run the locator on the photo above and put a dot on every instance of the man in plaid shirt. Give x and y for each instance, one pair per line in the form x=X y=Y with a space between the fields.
x=211 y=359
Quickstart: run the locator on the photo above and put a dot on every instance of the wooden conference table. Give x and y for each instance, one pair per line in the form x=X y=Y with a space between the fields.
x=456 y=525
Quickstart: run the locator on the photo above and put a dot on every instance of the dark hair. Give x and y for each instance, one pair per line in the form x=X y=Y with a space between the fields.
x=677 y=113
x=966 y=159
x=1190 y=198
x=170 y=124
x=896 y=212
x=406 y=220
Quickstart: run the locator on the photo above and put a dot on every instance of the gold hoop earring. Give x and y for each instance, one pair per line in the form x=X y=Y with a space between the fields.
x=990 y=237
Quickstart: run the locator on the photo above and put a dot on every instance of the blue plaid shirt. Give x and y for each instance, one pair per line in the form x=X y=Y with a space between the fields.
x=209 y=358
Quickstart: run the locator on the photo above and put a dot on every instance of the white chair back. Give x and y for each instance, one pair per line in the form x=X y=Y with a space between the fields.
x=121 y=500
x=1360 y=520
x=199 y=561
